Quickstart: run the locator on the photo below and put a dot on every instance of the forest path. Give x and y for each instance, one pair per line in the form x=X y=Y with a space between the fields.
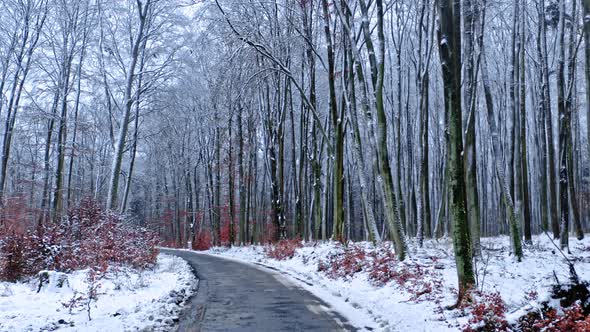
x=233 y=296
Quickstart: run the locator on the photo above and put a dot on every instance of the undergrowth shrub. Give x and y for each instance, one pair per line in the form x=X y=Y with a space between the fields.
x=571 y=319
x=14 y=240
x=568 y=309
x=488 y=313
x=88 y=238
x=385 y=267
x=202 y=241
x=345 y=264
x=284 y=249
x=226 y=231
x=382 y=267
x=421 y=281
x=12 y=251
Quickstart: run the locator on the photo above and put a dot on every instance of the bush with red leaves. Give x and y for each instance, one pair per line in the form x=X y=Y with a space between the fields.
x=488 y=313
x=89 y=238
x=573 y=319
x=14 y=241
x=284 y=249
x=420 y=281
x=345 y=264
x=202 y=241
x=12 y=252
x=228 y=230
x=383 y=267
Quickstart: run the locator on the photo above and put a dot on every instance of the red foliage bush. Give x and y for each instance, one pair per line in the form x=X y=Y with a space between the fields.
x=89 y=238
x=382 y=267
x=573 y=319
x=284 y=249
x=226 y=232
x=421 y=282
x=349 y=262
x=488 y=313
x=14 y=240
x=12 y=251
x=202 y=241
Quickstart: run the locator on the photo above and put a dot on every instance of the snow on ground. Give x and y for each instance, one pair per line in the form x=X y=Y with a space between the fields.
x=127 y=301
x=391 y=308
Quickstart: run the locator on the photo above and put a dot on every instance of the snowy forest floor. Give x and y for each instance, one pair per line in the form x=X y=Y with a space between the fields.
x=126 y=300
x=415 y=296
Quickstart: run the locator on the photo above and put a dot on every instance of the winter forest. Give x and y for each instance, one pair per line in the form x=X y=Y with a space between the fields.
x=424 y=148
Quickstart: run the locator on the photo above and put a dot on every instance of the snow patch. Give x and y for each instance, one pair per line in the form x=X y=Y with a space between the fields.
x=128 y=300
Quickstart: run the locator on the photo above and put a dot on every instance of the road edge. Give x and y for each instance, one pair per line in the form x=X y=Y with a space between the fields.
x=193 y=312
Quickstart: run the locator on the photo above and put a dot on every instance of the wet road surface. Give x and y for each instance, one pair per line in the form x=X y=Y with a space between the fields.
x=238 y=297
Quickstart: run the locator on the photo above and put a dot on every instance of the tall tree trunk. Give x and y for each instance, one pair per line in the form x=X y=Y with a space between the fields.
x=553 y=208
x=242 y=180
x=513 y=80
x=357 y=148
x=133 y=153
x=470 y=17
x=61 y=137
x=76 y=113
x=401 y=202
x=390 y=204
x=563 y=132
x=338 y=142
x=569 y=109
x=45 y=196
x=542 y=129
x=129 y=100
x=231 y=184
x=586 y=19
x=423 y=83
x=315 y=161
x=450 y=53
x=507 y=201
x=524 y=187
x=217 y=188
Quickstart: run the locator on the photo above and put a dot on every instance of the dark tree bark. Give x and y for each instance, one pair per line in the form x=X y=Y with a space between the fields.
x=449 y=35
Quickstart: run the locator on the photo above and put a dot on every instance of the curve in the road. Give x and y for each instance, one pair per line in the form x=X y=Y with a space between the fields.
x=239 y=297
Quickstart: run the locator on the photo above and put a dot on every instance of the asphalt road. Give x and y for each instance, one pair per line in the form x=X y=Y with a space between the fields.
x=238 y=297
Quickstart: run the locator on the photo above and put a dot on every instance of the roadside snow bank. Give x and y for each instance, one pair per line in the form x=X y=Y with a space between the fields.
x=126 y=300
x=393 y=308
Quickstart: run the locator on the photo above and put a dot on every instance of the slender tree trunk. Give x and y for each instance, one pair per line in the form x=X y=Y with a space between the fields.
x=514 y=94
x=231 y=185
x=553 y=208
x=563 y=133
x=569 y=109
x=450 y=49
x=586 y=19
x=497 y=148
x=526 y=204
x=242 y=180
x=401 y=202
x=217 y=188
x=129 y=100
x=133 y=153
x=76 y=112
x=61 y=138
x=338 y=143
x=390 y=204
x=473 y=210
x=357 y=148
x=543 y=111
